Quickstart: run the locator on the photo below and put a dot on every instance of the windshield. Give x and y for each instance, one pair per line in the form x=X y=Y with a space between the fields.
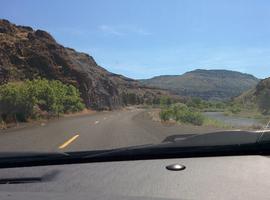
x=100 y=75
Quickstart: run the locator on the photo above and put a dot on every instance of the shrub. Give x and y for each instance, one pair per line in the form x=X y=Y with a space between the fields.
x=195 y=102
x=165 y=101
x=220 y=105
x=15 y=102
x=18 y=100
x=183 y=114
x=235 y=109
x=189 y=116
x=165 y=115
x=72 y=101
x=55 y=97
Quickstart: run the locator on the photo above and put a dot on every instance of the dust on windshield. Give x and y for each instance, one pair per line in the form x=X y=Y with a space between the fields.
x=103 y=75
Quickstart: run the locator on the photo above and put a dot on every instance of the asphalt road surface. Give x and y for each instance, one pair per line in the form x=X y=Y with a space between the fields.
x=103 y=130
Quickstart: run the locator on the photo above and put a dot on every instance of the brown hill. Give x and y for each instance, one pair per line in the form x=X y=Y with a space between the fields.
x=206 y=84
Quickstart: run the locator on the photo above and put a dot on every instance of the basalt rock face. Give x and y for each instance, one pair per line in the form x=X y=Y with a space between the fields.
x=27 y=54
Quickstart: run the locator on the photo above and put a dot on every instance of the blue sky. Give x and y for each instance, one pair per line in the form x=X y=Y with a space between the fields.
x=145 y=38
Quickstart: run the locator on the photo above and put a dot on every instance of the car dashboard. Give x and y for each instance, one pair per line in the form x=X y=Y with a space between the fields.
x=228 y=177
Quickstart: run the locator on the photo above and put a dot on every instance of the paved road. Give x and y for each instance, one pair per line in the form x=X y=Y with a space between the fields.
x=104 y=130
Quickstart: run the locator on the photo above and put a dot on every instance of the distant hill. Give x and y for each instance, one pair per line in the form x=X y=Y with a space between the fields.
x=206 y=84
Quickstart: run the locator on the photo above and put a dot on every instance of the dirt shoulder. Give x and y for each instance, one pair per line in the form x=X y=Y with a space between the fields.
x=41 y=122
x=150 y=121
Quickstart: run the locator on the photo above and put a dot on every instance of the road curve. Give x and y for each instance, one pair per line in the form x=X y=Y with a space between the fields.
x=103 y=130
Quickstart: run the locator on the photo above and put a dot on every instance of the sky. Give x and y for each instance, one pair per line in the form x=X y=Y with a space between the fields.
x=145 y=38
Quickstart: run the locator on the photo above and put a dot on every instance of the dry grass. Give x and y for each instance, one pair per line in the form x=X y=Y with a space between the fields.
x=83 y=112
x=154 y=114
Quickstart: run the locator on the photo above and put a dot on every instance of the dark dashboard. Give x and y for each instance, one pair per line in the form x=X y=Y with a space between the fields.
x=229 y=177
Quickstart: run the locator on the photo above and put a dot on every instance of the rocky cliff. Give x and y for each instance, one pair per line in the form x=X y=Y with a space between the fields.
x=27 y=54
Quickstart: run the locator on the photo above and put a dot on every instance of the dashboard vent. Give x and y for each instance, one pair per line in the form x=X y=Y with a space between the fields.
x=20 y=180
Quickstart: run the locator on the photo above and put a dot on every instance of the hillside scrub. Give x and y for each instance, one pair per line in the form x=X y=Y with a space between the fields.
x=165 y=101
x=235 y=109
x=190 y=115
x=263 y=102
x=228 y=108
x=206 y=106
x=132 y=99
x=23 y=100
x=182 y=113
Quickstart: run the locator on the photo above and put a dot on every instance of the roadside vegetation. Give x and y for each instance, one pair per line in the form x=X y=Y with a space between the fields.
x=191 y=110
x=251 y=105
x=206 y=106
x=182 y=113
x=26 y=100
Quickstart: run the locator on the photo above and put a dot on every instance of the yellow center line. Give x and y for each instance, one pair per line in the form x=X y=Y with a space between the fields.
x=68 y=142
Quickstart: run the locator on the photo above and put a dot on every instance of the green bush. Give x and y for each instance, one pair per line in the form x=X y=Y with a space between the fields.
x=72 y=101
x=187 y=115
x=220 y=105
x=18 y=100
x=54 y=96
x=195 y=102
x=15 y=102
x=183 y=114
x=204 y=105
x=235 y=109
x=165 y=101
x=165 y=115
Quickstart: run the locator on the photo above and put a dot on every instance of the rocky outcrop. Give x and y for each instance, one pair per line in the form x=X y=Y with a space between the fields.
x=258 y=97
x=27 y=54
x=262 y=86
